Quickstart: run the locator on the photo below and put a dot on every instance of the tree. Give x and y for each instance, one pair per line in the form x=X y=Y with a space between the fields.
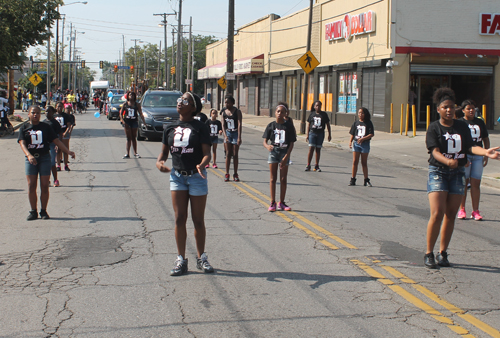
x=23 y=24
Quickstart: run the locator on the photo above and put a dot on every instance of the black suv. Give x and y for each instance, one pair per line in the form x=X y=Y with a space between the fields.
x=159 y=108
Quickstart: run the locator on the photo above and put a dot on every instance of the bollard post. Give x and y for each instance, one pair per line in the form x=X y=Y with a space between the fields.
x=414 y=120
x=392 y=118
x=484 y=113
x=407 y=121
x=401 y=120
x=428 y=117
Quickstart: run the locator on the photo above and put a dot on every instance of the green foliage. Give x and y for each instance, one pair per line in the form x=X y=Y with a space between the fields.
x=24 y=23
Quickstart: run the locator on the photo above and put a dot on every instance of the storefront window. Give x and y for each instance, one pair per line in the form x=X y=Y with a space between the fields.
x=277 y=90
x=264 y=93
x=291 y=91
x=242 y=93
x=348 y=92
x=325 y=95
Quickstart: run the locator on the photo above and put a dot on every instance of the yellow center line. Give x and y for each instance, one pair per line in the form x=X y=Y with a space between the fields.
x=448 y=306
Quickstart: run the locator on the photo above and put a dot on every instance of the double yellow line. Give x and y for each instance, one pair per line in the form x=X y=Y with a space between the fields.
x=265 y=200
x=401 y=279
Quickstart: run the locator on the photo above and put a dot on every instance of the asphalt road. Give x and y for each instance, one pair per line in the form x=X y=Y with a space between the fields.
x=346 y=262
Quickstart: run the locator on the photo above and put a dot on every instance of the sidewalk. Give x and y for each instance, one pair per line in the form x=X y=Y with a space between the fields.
x=406 y=150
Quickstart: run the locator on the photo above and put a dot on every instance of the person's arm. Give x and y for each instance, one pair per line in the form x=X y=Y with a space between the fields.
x=224 y=129
x=240 y=125
x=267 y=145
x=452 y=163
x=329 y=131
x=365 y=138
x=61 y=146
x=350 y=141
x=490 y=152
x=307 y=132
x=486 y=143
x=24 y=148
x=160 y=161
x=205 y=160
x=139 y=110
x=286 y=158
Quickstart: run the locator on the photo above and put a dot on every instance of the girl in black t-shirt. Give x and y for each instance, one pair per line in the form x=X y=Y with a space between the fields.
x=474 y=171
x=282 y=136
x=361 y=132
x=34 y=139
x=215 y=130
x=318 y=120
x=448 y=142
x=231 y=128
x=129 y=116
x=188 y=140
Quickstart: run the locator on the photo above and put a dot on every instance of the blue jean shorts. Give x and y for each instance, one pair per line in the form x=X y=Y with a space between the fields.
x=232 y=136
x=276 y=155
x=42 y=167
x=475 y=169
x=363 y=148
x=445 y=179
x=214 y=139
x=134 y=124
x=194 y=184
x=53 y=154
x=316 y=139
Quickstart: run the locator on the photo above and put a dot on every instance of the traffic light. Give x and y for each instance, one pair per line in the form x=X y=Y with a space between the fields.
x=132 y=69
x=172 y=70
x=116 y=68
x=83 y=64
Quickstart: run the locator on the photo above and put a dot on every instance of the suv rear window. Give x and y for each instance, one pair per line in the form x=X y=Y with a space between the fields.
x=160 y=100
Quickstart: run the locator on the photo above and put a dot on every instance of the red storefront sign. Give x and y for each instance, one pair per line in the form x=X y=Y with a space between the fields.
x=489 y=24
x=350 y=25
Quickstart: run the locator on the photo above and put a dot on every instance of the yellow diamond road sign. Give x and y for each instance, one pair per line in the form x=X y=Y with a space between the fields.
x=308 y=62
x=222 y=82
x=35 y=79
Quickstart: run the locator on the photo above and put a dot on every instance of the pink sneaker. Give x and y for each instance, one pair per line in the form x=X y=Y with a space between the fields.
x=476 y=215
x=214 y=166
x=461 y=214
x=56 y=183
x=272 y=207
x=283 y=206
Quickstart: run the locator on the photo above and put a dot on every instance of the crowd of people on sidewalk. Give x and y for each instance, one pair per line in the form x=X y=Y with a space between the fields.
x=458 y=150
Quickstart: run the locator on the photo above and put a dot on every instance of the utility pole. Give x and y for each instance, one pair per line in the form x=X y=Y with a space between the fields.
x=306 y=76
x=62 y=53
x=123 y=63
x=178 y=64
x=69 y=59
x=189 y=76
x=230 y=47
x=135 y=61
x=164 y=24
x=158 y=69
x=173 y=56
x=57 y=51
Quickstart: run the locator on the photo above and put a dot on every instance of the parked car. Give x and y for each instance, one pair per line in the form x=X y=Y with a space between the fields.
x=114 y=106
x=159 y=108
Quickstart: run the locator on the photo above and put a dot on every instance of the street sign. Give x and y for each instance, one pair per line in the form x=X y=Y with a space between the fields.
x=14 y=67
x=41 y=72
x=308 y=62
x=222 y=82
x=188 y=81
x=123 y=67
x=35 y=79
x=230 y=76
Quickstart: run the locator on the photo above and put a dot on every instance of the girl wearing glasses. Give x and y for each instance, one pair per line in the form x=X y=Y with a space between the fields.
x=129 y=117
x=188 y=140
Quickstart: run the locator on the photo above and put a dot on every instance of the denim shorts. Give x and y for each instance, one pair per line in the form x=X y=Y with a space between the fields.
x=194 y=184
x=316 y=139
x=445 y=179
x=363 y=148
x=475 y=169
x=42 y=167
x=214 y=139
x=276 y=155
x=232 y=136
x=53 y=154
x=132 y=123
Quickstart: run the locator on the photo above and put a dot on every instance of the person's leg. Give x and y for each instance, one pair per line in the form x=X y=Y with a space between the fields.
x=128 y=134
x=437 y=203
x=236 y=149
x=364 y=164
x=283 y=182
x=66 y=143
x=229 y=155
x=273 y=169
x=180 y=201
x=214 y=150
x=464 y=197
x=198 y=204
x=44 y=191
x=475 y=193
x=318 y=155
x=452 y=204
x=32 y=185
x=133 y=136
x=310 y=155
x=355 y=162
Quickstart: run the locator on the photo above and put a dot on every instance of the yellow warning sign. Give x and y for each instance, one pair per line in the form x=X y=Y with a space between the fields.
x=222 y=82
x=35 y=79
x=308 y=62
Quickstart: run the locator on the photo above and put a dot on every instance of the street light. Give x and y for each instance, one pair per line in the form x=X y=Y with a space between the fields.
x=74 y=48
x=135 y=55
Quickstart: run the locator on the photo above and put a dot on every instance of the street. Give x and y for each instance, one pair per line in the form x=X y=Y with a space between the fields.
x=345 y=262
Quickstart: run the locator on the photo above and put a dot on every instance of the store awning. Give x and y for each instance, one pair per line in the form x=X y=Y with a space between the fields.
x=249 y=65
x=212 y=72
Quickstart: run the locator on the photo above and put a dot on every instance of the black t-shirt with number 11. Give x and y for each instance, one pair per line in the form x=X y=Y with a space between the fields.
x=280 y=134
x=37 y=138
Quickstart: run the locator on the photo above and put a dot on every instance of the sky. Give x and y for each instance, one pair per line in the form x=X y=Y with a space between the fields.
x=105 y=21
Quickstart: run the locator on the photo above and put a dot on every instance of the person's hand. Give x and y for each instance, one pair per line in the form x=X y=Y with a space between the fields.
x=220 y=132
x=350 y=145
x=200 y=171
x=329 y=138
x=360 y=140
x=467 y=164
x=269 y=147
x=452 y=163
x=162 y=167
x=485 y=161
x=239 y=142
x=32 y=159
x=493 y=153
x=283 y=162
x=71 y=153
